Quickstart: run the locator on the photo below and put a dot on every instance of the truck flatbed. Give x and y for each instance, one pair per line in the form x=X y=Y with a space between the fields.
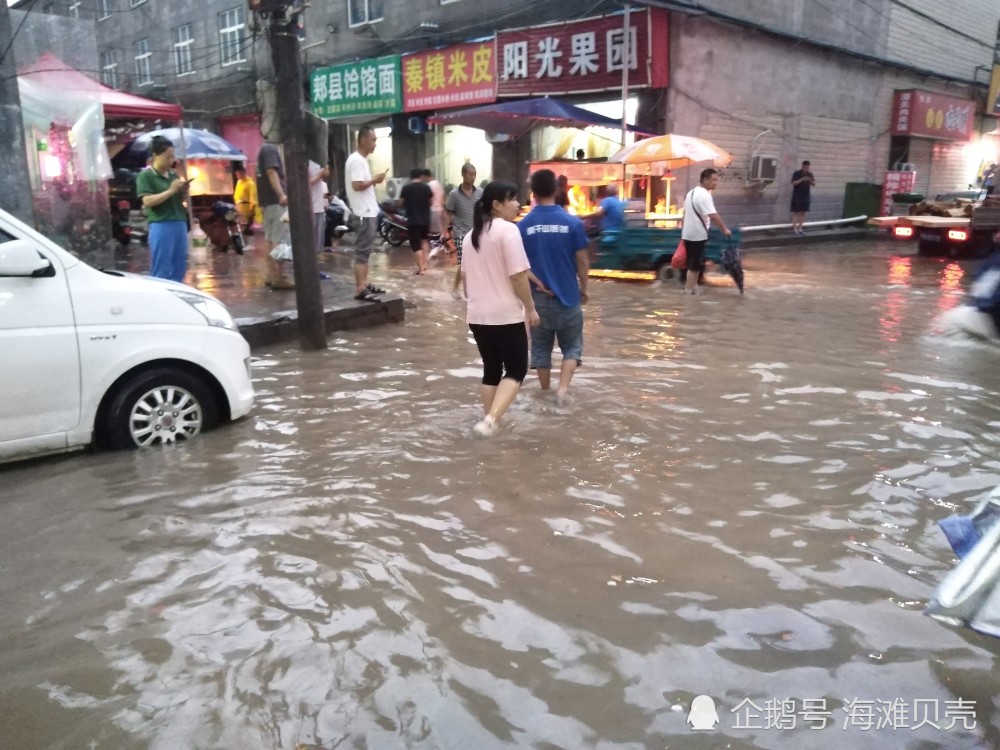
x=940 y=222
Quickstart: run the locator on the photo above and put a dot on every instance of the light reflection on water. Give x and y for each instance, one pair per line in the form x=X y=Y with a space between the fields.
x=740 y=501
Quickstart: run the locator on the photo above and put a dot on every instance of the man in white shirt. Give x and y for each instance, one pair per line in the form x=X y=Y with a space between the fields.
x=317 y=193
x=437 y=203
x=699 y=212
x=364 y=204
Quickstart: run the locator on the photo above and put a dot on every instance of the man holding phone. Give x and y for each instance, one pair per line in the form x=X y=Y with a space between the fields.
x=364 y=204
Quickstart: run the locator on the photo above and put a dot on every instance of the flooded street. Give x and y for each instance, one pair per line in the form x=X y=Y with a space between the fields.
x=740 y=500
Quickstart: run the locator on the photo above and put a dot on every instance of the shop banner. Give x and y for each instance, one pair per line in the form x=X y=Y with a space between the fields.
x=896 y=182
x=928 y=115
x=584 y=56
x=993 y=100
x=368 y=87
x=459 y=76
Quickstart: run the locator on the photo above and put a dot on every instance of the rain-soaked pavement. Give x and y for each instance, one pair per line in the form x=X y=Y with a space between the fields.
x=740 y=501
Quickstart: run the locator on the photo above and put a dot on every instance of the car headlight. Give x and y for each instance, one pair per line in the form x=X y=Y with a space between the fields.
x=214 y=311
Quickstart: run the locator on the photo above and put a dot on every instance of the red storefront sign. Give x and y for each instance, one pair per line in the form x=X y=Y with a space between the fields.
x=584 y=56
x=928 y=115
x=458 y=76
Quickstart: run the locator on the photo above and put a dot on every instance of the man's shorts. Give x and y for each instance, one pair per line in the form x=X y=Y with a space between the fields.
x=458 y=238
x=695 y=250
x=367 y=229
x=417 y=234
x=558 y=323
x=275 y=230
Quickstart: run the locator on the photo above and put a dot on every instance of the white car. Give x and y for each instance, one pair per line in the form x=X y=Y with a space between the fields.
x=114 y=358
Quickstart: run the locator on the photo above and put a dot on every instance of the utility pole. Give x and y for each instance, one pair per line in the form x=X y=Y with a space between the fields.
x=626 y=56
x=15 y=182
x=284 y=42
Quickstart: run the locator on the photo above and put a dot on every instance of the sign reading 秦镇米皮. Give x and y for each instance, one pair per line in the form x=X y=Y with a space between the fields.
x=366 y=87
x=459 y=76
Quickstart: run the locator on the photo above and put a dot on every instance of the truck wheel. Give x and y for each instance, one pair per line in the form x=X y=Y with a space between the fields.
x=664 y=272
x=928 y=247
x=157 y=407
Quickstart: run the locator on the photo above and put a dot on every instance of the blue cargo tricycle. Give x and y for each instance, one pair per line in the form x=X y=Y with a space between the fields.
x=650 y=249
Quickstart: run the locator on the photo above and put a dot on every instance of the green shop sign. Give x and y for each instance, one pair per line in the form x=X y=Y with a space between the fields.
x=368 y=87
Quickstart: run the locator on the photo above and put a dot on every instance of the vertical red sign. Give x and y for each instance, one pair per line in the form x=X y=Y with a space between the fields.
x=896 y=182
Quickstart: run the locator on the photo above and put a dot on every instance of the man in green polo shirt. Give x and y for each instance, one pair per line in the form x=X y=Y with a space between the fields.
x=161 y=192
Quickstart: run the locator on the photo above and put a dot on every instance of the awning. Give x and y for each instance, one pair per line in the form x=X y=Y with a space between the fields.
x=518 y=117
x=51 y=73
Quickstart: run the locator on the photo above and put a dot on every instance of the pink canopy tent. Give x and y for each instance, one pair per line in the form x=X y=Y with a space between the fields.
x=52 y=73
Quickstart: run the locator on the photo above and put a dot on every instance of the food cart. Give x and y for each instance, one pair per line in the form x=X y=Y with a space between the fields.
x=643 y=249
x=588 y=180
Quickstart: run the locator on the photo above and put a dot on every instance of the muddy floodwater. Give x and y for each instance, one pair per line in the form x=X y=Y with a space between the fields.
x=739 y=501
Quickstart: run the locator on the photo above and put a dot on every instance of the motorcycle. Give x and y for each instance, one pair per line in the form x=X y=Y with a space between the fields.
x=338 y=217
x=223 y=227
x=392 y=224
x=393 y=228
x=121 y=227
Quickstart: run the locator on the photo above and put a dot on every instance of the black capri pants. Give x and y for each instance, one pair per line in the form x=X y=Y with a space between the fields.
x=504 y=350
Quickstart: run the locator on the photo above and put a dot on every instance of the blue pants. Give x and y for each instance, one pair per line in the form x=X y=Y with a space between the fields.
x=168 y=245
x=559 y=323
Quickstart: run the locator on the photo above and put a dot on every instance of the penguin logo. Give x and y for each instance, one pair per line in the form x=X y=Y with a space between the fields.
x=703 y=716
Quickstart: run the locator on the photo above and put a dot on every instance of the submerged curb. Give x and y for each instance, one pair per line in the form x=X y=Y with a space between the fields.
x=281 y=327
x=764 y=240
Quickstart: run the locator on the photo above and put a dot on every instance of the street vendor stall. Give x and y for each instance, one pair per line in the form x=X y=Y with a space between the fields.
x=65 y=113
x=587 y=181
x=647 y=243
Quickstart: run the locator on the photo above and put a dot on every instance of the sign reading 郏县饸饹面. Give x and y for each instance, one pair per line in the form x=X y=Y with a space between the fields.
x=365 y=87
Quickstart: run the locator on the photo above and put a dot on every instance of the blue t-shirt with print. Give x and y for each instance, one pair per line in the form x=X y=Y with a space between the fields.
x=614 y=214
x=552 y=237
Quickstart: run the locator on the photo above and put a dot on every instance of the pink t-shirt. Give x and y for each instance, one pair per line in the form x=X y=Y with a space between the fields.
x=487 y=272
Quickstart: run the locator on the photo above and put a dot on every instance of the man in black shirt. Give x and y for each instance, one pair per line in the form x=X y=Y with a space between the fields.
x=415 y=197
x=802 y=181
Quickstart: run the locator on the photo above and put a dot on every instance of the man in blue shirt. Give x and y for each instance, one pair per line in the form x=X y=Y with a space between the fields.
x=612 y=210
x=556 y=245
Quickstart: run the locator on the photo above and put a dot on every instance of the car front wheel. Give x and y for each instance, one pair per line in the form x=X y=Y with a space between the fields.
x=159 y=407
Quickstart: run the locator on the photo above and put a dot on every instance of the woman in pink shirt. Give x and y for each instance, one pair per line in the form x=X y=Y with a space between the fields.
x=495 y=268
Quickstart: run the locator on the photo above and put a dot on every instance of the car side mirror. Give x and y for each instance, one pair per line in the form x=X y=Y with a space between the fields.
x=19 y=258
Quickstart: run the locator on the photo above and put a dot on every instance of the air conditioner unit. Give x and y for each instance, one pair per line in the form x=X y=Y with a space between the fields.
x=393 y=187
x=764 y=168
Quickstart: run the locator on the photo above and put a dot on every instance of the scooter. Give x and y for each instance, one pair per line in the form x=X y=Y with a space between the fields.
x=224 y=227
